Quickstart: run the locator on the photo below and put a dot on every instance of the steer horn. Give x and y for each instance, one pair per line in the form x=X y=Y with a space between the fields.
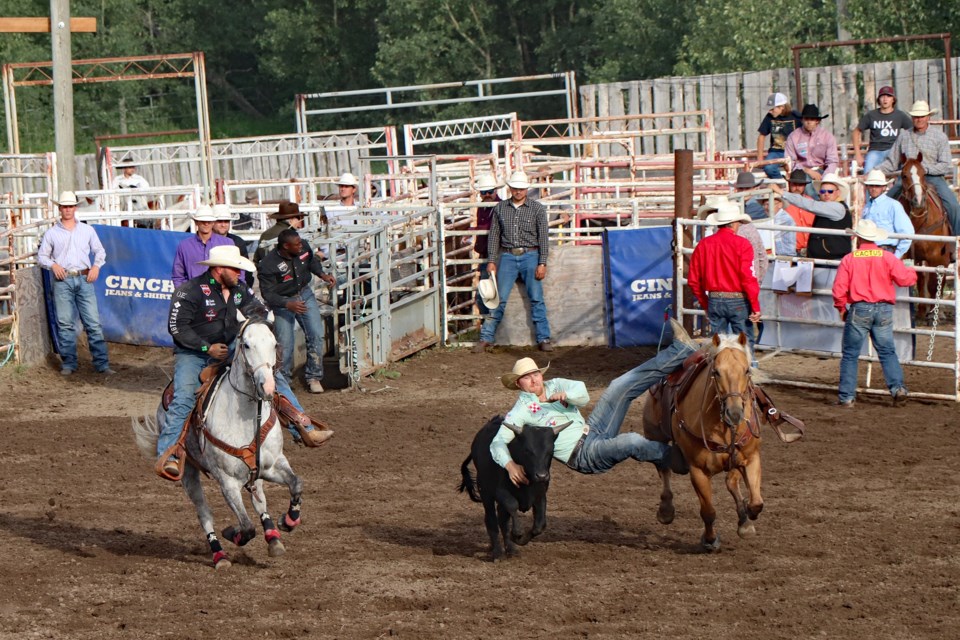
x=560 y=427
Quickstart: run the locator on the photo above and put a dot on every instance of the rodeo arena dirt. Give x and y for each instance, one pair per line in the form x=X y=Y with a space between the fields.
x=859 y=535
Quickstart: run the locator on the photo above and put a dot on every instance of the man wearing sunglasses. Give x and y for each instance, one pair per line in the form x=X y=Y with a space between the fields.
x=831 y=212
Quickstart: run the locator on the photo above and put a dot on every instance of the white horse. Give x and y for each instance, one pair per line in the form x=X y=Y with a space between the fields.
x=239 y=443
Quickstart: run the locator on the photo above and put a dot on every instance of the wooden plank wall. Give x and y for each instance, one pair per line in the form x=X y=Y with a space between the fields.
x=738 y=99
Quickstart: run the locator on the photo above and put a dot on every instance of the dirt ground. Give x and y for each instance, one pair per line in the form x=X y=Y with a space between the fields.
x=859 y=536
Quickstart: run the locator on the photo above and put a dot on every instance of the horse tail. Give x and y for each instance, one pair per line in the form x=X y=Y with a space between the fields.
x=146 y=432
x=469 y=483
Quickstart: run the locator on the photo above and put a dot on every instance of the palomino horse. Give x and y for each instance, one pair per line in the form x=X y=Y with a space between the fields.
x=714 y=423
x=238 y=442
x=925 y=209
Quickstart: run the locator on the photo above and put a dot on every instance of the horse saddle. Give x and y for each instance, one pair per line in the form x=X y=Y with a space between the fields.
x=673 y=387
x=208 y=375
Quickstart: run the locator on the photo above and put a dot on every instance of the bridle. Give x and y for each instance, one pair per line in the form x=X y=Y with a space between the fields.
x=920 y=211
x=241 y=356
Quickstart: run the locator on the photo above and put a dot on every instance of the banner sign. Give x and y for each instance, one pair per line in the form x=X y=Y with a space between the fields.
x=638 y=283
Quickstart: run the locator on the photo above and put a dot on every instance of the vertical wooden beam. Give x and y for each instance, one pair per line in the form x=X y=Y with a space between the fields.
x=682 y=208
x=64 y=140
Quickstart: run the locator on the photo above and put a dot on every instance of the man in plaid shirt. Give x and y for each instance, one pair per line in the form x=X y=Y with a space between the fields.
x=517 y=249
x=935 y=149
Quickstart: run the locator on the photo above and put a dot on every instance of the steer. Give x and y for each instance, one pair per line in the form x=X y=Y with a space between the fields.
x=533 y=450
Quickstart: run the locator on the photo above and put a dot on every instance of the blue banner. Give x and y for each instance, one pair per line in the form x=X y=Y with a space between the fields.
x=134 y=287
x=638 y=283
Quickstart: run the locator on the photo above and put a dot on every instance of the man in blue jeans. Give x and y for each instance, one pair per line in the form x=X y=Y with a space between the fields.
x=204 y=324
x=593 y=445
x=285 y=275
x=72 y=251
x=517 y=249
x=865 y=281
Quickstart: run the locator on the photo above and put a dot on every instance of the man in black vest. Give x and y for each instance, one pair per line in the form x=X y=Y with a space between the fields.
x=831 y=212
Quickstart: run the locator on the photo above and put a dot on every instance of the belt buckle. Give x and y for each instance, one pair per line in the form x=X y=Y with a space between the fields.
x=518 y=251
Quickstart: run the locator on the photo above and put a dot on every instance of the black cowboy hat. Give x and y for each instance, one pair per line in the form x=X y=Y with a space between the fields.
x=812 y=112
x=286 y=210
x=746 y=180
x=798 y=176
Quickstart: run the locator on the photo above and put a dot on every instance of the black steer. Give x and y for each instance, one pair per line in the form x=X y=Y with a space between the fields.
x=533 y=450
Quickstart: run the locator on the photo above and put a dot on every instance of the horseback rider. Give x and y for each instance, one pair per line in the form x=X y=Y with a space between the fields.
x=204 y=324
x=932 y=148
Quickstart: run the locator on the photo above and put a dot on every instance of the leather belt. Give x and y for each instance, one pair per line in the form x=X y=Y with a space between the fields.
x=81 y=272
x=519 y=251
x=572 y=460
x=726 y=294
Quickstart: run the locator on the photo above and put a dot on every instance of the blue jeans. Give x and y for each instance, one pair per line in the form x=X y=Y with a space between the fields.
x=773 y=170
x=876 y=319
x=509 y=269
x=187 y=365
x=605 y=446
x=71 y=296
x=484 y=311
x=312 y=324
x=872 y=159
x=730 y=315
x=950 y=205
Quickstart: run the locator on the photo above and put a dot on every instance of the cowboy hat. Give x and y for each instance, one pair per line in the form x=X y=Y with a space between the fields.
x=203 y=214
x=920 y=109
x=486 y=182
x=812 y=112
x=726 y=213
x=518 y=180
x=285 y=210
x=348 y=180
x=710 y=205
x=487 y=288
x=522 y=367
x=222 y=213
x=876 y=179
x=868 y=230
x=228 y=256
x=67 y=199
x=834 y=179
x=745 y=180
x=799 y=176
x=775 y=100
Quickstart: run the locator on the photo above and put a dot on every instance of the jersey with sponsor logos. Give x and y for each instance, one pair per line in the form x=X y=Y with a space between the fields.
x=201 y=315
x=884 y=127
x=283 y=277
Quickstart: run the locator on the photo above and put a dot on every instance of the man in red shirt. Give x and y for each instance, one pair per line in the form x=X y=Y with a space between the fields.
x=722 y=276
x=865 y=281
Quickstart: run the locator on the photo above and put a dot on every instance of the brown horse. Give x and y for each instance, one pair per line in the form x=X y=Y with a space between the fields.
x=710 y=412
x=923 y=205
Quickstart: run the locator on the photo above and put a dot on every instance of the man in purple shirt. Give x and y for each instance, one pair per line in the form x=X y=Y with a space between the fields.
x=191 y=251
x=65 y=250
x=812 y=148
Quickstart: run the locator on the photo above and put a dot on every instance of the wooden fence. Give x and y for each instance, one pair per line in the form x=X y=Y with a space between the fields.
x=738 y=99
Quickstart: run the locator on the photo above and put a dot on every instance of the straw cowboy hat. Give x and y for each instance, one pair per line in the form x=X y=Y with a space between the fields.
x=726 y=213
x=834 y=179
x=876 y=179
x=486 y=182
x=520 y=369
x=710 y=205
x=745 y=180
x=920 y=109
x=203 y=214
x=487 y=288
x=518 y=180
x=228 y=256
x=348 y=180
x=286 y=210
x=868 y=230
x=67 y=199
x=222 y=212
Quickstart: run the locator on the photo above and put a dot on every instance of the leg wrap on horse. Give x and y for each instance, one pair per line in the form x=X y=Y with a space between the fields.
x=215 y=548
x=269 y=529
x=313 y=432
x=237 y=536
x=291 y=519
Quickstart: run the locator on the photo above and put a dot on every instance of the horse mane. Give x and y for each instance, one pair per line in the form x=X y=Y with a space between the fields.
x=728 y=341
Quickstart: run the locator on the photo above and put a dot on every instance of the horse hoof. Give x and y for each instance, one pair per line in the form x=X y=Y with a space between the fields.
x=710 y=547
x=747 y=531
x=665 y=515
x=284 y=523
x=276 y=549
x=221 y=561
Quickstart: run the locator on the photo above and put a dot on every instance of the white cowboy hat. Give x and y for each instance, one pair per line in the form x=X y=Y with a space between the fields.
x=228 y=256
x=487 y=288
x=520 y=369
x=203 y=214
x=875 y=179
x=486 y=182
x=348 y=180
x=67 y=199
x=834 y=179
x=920 y=109
x=518 y=180
x=710 y=205
x=726 y=213
x=222 y=212
x=868 y=230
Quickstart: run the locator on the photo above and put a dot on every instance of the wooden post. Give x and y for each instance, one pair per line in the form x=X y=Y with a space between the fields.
x=682 y=208
x=64 y=140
